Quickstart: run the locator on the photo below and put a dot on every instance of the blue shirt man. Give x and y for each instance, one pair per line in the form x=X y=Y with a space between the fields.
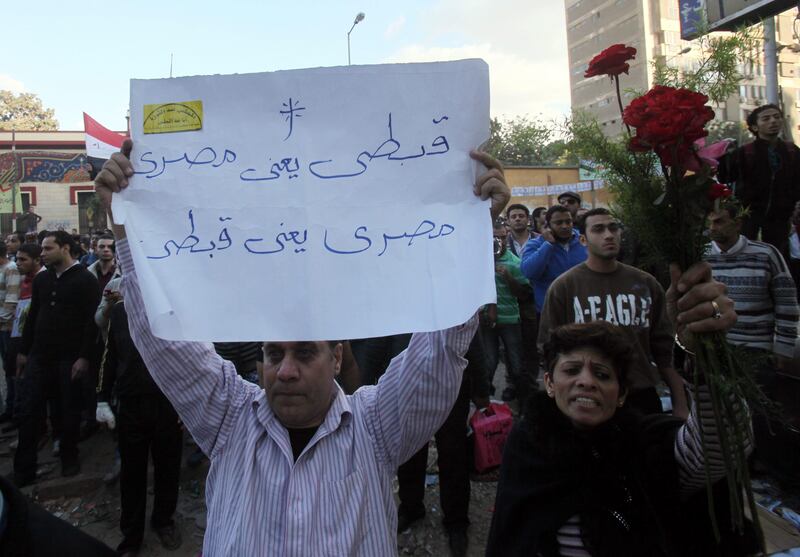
x=557 y=250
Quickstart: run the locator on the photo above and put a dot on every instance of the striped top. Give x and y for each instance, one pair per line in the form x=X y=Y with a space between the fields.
x=337 y=498
x=9 y=295
x=689 y=457
x=243 y=355
x=763 y=292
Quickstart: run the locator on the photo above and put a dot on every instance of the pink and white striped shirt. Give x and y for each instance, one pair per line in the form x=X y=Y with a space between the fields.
x=336 y=499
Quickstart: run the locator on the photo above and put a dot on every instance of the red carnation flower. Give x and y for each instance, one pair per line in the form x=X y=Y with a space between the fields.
x=612 y=61
x=718 y=191
x=668 y=121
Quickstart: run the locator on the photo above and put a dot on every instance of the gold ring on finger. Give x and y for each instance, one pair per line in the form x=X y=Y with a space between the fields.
x=717 y=312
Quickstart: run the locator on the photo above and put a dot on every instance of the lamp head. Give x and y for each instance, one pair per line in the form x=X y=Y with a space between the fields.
x=359 y=17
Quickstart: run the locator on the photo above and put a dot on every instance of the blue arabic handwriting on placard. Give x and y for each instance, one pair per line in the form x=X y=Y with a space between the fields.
x=152 y=166
x=361 y=240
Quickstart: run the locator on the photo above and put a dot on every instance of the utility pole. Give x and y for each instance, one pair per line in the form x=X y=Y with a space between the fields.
x=15 y=185
x=771 y=61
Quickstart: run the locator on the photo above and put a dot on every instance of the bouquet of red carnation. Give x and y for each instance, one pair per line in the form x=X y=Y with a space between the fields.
x=670 y=122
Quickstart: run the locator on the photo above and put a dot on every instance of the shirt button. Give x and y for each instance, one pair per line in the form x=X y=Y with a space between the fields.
x=52 y=303
x=54 y=292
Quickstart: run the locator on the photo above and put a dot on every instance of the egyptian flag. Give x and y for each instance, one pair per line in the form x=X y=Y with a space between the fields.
x=101 y=143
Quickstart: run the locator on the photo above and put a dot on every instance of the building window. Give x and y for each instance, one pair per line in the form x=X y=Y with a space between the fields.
x=26 y=200
x=580 y=69
x=672 y=10
x=89 y=216
x=6 y=222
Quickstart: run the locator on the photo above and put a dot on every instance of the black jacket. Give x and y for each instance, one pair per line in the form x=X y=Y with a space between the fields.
x=766 y=193
x=60 y=322
x=122 y=371
x=28 y=530
x=621 y=479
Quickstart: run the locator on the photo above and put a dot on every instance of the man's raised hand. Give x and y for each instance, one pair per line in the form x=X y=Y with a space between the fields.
x=492 y=183
x=114 y=176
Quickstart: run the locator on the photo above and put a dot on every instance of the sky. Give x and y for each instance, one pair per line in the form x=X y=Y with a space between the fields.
x=78 y=56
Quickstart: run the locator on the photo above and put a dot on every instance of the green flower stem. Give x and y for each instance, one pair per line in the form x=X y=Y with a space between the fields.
x=621 y=108
x=730 y=385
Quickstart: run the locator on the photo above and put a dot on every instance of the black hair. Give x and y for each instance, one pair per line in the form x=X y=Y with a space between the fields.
x=113 y=241
x=733 y=206
x=62 y=238
x=535 y=216
x=34 y=251
x=554 y=209
x=604 y=337
x=752 y=118
x=581 y=224
x=517 y=207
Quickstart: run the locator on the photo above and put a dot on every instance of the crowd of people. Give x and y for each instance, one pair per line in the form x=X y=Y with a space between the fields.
x=305 y=438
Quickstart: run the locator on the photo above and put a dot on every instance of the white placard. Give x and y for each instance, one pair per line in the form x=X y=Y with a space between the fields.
x=328 y=203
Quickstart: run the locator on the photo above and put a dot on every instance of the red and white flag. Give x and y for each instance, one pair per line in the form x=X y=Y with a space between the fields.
x=101 y=142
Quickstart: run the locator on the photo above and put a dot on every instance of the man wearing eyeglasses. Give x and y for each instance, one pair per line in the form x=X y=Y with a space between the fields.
x=572 y=201
x=602 y=288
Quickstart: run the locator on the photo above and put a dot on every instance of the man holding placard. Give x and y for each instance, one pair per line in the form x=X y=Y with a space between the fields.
x=300 y=468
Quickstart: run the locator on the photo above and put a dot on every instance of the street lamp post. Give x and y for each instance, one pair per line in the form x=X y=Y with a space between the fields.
x=359 y=17
x=684 y=50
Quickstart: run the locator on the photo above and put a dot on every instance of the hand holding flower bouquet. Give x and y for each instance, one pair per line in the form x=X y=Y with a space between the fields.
x=671 y=123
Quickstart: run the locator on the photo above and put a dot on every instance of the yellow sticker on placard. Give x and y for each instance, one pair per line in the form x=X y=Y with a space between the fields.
x=173 y=117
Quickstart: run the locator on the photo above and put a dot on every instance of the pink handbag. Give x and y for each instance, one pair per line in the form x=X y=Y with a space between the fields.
x=491 y=427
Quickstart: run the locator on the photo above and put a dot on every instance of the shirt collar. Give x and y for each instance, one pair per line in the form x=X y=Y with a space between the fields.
x=735 y=248
x=58 y=275
x=340 y=414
